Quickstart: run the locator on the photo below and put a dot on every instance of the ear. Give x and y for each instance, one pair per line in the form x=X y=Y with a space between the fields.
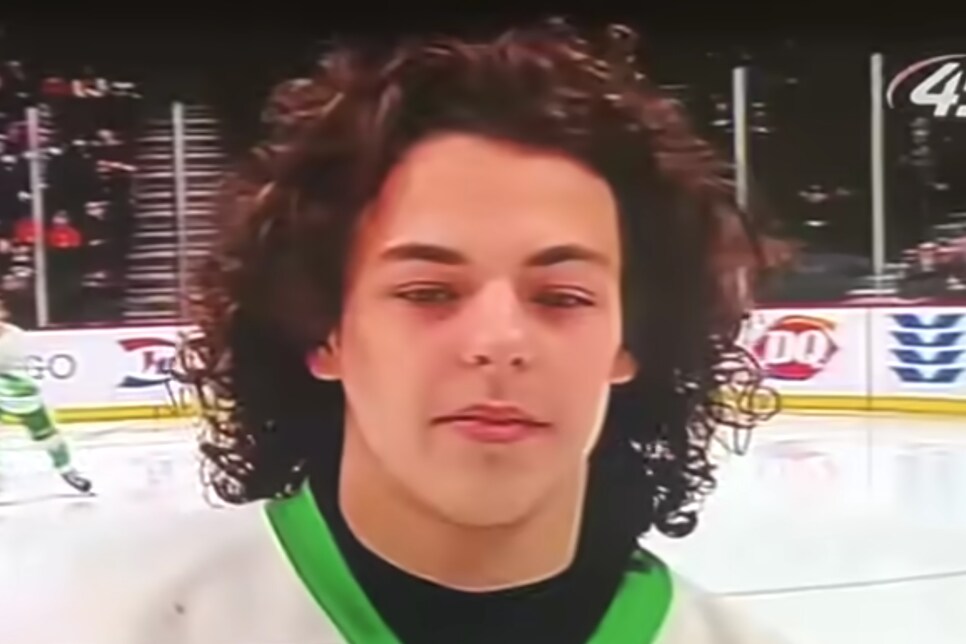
x=624 y=369
x=323 y=361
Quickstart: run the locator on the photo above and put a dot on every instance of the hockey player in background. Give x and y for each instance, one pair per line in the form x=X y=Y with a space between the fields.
x=22 y=400
x=462 y=345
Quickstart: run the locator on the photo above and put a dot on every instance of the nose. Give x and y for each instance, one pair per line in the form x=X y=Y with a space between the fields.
x=497 y=329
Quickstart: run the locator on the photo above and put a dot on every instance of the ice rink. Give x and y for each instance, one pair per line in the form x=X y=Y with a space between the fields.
x=832 y=529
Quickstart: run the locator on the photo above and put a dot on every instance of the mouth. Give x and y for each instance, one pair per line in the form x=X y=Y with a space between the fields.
x=494 y=423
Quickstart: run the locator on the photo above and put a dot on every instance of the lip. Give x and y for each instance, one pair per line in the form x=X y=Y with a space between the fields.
x=494 y=423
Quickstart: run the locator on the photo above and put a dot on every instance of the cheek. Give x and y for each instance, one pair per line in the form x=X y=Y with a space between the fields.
x=385 y=363
x=582 y=375
x=580 y=367
x=587 y=346
x=368 y=361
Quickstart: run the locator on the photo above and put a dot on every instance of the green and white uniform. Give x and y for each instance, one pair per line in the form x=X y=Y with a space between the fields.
x=271 y=573
x=20 y=396
x=22 y=402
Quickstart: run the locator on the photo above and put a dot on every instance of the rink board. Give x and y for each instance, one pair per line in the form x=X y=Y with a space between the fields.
x=108 y=374
x=849 y=359
x=863 y=359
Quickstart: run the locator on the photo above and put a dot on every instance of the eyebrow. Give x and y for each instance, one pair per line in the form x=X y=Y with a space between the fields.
x=414 y=251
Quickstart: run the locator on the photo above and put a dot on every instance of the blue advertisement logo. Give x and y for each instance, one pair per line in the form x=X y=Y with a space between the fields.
x=929 y=351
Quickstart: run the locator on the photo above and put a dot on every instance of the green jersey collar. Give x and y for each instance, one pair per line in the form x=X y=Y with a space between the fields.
x=635 y=615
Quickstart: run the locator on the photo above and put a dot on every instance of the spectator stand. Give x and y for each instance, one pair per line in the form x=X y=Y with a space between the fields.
x=85 y=124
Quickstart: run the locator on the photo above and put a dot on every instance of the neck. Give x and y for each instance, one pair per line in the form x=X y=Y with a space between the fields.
x=468 y=558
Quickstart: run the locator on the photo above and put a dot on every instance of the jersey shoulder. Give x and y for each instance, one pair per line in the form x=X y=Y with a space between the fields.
x=213 y=576
x=698 y=617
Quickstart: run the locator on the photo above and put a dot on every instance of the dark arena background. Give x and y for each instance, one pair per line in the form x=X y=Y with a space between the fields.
x=841 y=520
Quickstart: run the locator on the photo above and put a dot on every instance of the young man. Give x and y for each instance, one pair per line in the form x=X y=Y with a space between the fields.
x=21 y=400
x=466 y=341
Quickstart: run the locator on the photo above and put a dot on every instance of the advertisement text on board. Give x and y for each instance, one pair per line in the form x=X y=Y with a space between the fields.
x=151 y=362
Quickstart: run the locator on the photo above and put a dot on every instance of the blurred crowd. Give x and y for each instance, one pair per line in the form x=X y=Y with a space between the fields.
x=932 y=271
x=86 y=136
x=936 y=268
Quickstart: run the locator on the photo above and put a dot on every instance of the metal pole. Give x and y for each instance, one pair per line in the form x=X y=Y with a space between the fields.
x=739 y=104
x=180 y=204
x=878 y=172
x=37 y=207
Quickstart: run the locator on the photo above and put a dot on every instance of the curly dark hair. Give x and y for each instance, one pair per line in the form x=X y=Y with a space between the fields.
x=273 y=288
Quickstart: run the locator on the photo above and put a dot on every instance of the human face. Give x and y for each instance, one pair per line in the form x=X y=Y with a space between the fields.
x=481 y=329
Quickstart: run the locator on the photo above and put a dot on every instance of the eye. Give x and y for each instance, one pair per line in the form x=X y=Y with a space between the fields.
x=563 y=299
x=427 y=294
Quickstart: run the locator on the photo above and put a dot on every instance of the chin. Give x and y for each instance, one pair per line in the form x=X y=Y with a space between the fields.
x=486 y=510
x=479 y=518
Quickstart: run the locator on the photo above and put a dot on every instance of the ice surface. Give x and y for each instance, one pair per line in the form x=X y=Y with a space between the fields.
x=832 y=529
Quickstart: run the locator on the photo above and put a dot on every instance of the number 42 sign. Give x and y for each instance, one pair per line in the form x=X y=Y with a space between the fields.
x=941 y=90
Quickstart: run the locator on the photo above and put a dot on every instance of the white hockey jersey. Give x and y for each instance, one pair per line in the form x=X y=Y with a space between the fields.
x=269 y=573
x=13 y=348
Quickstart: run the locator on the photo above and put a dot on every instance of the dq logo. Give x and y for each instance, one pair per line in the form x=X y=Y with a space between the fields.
x=796 y=347
x=154 y=359
x=929 y=352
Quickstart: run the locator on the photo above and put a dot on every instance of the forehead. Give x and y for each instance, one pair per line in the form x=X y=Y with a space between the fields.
x=489 y=195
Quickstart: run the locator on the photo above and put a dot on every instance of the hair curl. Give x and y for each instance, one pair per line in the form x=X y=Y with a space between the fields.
x=273 y=288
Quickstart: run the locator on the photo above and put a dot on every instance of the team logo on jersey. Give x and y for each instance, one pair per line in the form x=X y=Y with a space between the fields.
x=936 y=83
x=929 y=351
x=153 y=359
x=796 y=347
